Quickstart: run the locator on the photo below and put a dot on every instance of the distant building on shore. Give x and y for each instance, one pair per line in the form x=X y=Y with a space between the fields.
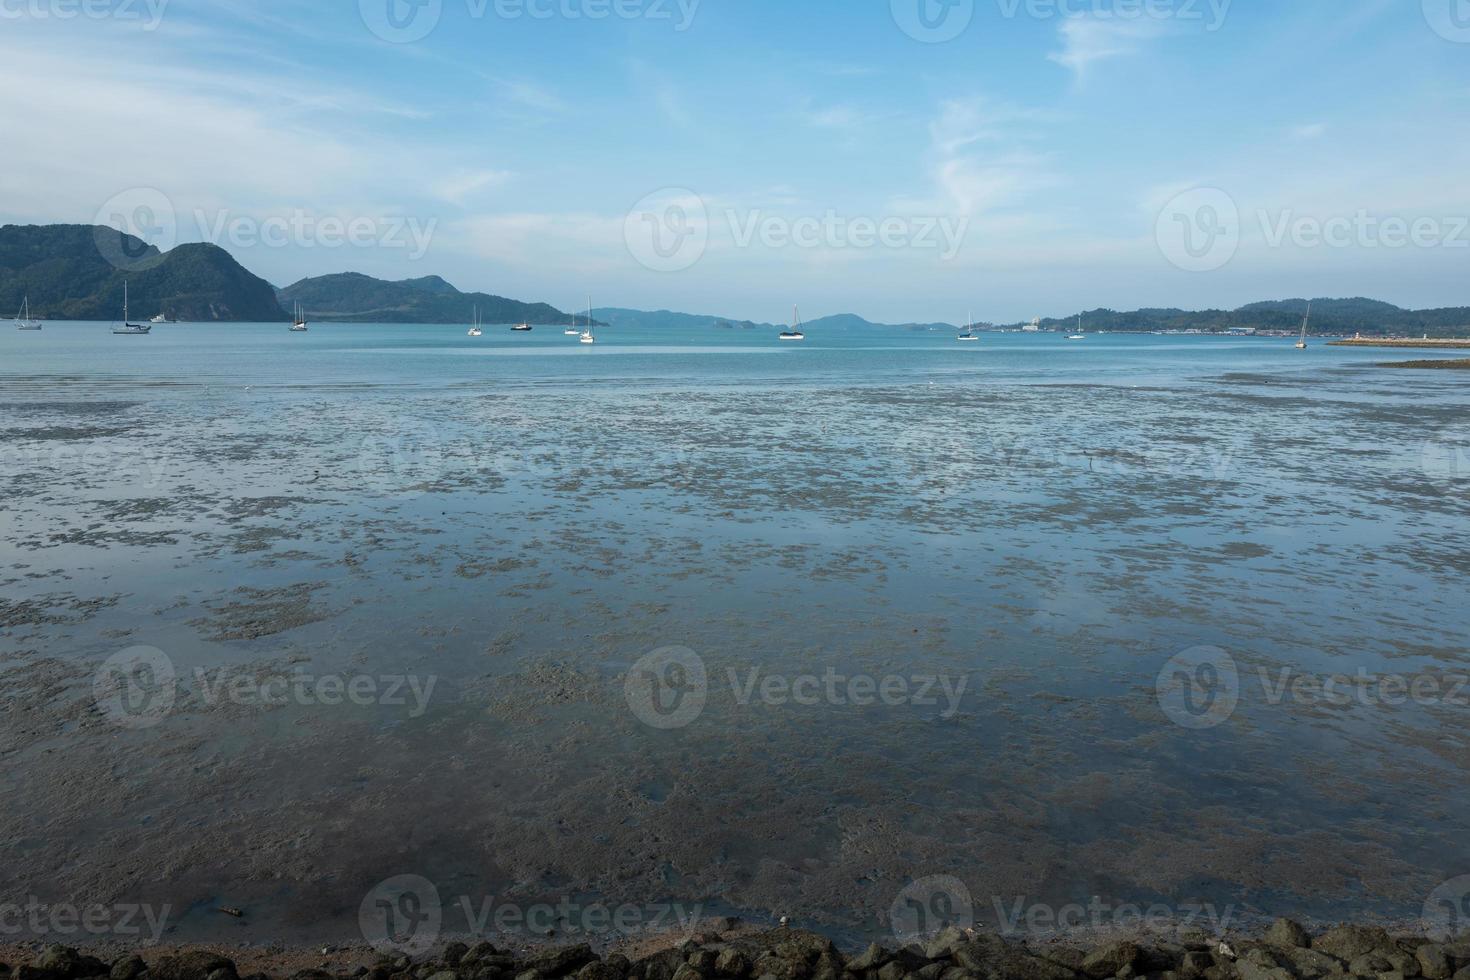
x=1033 y=327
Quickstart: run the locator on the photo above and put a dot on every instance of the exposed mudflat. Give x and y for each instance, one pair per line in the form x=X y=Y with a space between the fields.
x=404 y=626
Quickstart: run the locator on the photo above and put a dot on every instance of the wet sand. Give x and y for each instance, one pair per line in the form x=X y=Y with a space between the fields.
x=1052 y=546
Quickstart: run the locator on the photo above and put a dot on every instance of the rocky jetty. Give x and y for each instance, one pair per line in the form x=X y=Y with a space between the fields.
x=1285 y=952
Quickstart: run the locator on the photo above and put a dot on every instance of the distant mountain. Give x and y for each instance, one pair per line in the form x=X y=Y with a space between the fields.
x=666 y=318
x=76 y=272
x=1329 y=316
x=351 y=297
x=848 y=321
x=617 y=317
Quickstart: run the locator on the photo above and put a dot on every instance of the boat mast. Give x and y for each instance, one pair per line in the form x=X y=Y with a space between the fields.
x=1305 y=320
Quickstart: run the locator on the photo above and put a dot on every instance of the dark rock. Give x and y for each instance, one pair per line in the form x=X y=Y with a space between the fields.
x=127 y=968
x=554 y=963
x=953 y=973
x=1310 y=964
x=732 y=963
x=943 y=945
x=1370 y=964
x=454 y=953
x=687 y=972
x=992 y=957
x=869 y=959
x=28 y=971
x=443 y=975
x=477 y=953
x=63 y=961
x=618 y=962
x=1285 y=932
x=932 y=971
x=703 y=961
x=660 y=966
x=1347 y=943
x=781 y=968
x=1195 y=964
x=1458 y=951
x=720 y=923
x=1463 y=973
x=892 y=970
x=195 y=965
x=1110 y=959
x=599 y=970
x=311 y=975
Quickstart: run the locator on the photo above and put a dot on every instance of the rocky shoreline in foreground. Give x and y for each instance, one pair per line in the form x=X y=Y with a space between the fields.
x=1285 y=952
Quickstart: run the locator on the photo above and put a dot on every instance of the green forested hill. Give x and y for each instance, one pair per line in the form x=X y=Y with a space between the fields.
x=356 y=298
x=72 y=272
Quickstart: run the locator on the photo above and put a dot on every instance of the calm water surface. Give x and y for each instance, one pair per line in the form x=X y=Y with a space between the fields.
x=1102 y=582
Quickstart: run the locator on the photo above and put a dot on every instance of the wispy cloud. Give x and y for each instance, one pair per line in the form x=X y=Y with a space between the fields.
x=1309 y=131
x=458 y=187
x=1089 y=39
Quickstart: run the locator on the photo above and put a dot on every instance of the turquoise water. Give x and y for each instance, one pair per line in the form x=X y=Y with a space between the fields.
x=524 y=520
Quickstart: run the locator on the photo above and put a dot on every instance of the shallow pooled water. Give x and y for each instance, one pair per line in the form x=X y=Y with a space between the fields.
x=934 y=591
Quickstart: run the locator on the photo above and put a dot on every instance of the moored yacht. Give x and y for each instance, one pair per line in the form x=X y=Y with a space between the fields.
x=23 y=319
x=795 y=333
x=126 y=327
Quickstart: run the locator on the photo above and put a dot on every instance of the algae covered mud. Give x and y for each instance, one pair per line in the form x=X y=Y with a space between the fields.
x=304 y=642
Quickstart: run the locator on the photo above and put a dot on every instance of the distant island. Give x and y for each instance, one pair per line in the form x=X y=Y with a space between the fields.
x=72 y=272
x=64 y=272
x=1330 y=317
x=351 y=297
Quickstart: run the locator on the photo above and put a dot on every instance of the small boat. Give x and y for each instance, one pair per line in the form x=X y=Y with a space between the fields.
x=1302 y=344
x=476 y=331
x=162 y=318
x=795 y=333
x=522 y=328
x=23 y=319
x=132 y=329
x=298 y=321
x=1079 y=335
x=588 y=337
x=968 y=335
x=573 y=330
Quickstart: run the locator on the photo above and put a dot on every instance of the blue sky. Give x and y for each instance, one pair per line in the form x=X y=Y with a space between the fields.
x=1034 y=164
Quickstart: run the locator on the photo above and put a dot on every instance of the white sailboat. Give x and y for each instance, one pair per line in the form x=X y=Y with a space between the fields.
x=795 y=333
x=968 y=335
x=1302 y=344
x=298 y=320
x=476 y=330
x=130 y=328
x=573 y=330
x=588 y=337
x=1079 y=335
x=522 y=328
x=23 y=319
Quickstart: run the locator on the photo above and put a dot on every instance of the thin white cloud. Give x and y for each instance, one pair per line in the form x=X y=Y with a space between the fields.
x=1309 y=131
x=1089 y=39
x=459 y=186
